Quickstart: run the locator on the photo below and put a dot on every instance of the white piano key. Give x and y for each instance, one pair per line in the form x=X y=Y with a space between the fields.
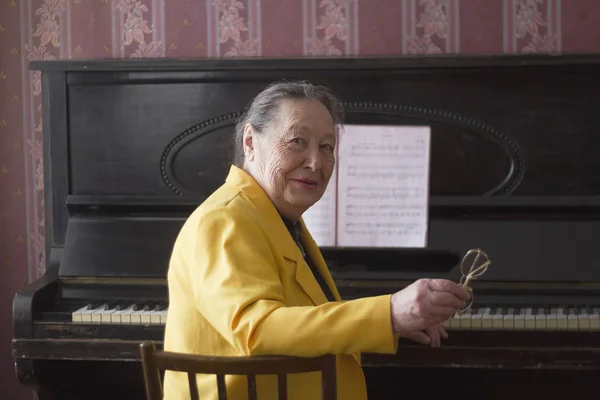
x=158 y=317
x=519 y=319
x=584 y=320
x=476 y=318
x=572 y=320
x=540 y=320
x=552 y=319
x=136 y=316
x=86 y=316
x=126 y=315
x=96 y=316
x=99 y=316
x=105 y=315
x=146 y=316
x=595 y=319
x=465 y=319
x=77 y=315
x=155 y=318
x=561 y=319
x=163 y=316
x=486 y=319
x=455 y=322
x=497 y=319
x=529 y=319
x=117 y=316
x=508 y=320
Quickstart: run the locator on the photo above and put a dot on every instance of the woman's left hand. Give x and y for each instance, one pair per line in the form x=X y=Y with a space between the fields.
x=431 y=336
x=436 y=333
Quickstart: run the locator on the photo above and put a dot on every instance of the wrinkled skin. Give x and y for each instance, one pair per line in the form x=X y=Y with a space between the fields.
x=293 y=161
x=419 y=310
x=294 y=158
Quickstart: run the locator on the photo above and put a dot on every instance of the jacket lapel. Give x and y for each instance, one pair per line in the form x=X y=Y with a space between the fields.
x=290 y=250
x=317 y=258
x=307 y=281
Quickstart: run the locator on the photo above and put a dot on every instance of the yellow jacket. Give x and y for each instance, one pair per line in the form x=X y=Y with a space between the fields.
x=238 y=286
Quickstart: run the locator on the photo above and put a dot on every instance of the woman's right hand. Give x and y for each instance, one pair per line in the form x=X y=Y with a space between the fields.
x=424 y=305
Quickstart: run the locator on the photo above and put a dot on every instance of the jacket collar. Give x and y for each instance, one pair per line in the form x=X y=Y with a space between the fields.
x=245 y=183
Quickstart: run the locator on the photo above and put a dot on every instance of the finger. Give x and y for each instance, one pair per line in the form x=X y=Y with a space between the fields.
x=443 y=332
x=438 y=334
x=434 y=335
x=446 y=299
x=419 y=337
x=438 y=314
x=445 y=285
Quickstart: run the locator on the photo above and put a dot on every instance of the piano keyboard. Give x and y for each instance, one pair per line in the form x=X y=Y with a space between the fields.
x=545 y=318
x=481 y=318
x=107 y=314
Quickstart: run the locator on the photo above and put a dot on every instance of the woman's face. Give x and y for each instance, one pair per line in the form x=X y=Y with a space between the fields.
x=294 y=158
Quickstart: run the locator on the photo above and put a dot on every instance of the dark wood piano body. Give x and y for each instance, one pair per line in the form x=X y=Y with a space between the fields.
x=131 y=147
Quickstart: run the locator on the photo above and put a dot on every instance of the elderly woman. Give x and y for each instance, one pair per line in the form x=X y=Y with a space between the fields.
x=246 y=278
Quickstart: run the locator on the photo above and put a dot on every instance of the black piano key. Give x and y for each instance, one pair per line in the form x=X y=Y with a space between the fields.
x=541 y=311
x=91 y=305
x=534 y=311
x=140 y=305
x=148 y=306
x=112 y=305
x=547 y=310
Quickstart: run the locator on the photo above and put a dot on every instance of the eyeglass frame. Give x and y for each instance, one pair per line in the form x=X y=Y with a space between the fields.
x=472 y=274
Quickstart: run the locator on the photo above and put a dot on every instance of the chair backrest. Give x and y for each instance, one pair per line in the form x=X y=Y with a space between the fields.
x=155 y=361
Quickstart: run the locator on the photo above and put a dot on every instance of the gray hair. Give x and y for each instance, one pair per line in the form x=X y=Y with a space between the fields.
x=263 y=109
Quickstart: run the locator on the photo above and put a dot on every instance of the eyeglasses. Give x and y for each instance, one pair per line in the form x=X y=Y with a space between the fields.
x=472 y=270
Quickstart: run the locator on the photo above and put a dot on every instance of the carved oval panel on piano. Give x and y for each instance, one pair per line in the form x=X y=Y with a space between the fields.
x=468 y=157
x=484 y=160
x=197 y=161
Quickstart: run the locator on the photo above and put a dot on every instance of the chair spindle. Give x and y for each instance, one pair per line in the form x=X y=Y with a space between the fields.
x=282 y=384
x=193 y=388
x=251 y=380
x=221 y=387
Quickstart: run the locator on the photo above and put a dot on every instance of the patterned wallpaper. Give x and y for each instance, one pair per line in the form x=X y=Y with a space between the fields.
x=55 y=29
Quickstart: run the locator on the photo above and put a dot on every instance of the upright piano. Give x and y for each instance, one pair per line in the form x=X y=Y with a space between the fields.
x=131 y=147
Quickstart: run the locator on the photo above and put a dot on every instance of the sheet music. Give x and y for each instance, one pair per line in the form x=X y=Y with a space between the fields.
x=320 y=219
x=383 y=186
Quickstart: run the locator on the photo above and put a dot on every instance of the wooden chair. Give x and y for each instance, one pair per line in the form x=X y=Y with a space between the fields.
x=154 y=361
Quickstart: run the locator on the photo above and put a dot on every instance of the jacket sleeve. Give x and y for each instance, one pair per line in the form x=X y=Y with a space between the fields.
x=237 y=287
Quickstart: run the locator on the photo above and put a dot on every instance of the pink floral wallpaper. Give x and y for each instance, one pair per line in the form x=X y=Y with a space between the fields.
x=58 y=29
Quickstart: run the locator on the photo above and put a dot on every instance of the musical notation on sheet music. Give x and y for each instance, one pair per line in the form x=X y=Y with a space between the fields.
x=383 y=186
x=378 y=194
x=389 y=172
